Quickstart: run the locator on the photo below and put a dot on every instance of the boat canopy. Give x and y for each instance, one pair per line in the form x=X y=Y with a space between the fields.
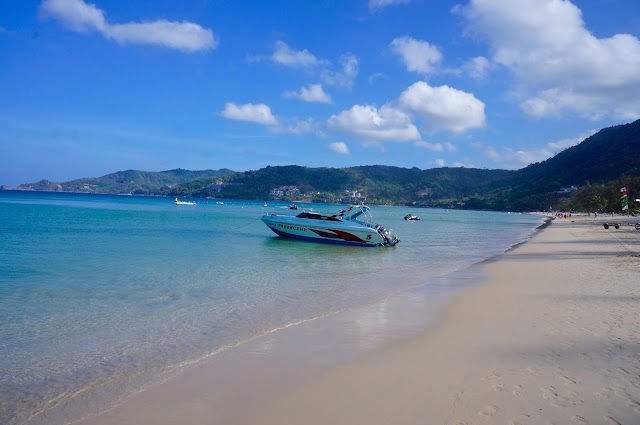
x=353 y=212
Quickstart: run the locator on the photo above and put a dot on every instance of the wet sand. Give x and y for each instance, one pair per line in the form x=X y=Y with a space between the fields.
x=553 y=336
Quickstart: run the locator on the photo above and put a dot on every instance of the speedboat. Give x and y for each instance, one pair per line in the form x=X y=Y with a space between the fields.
x=411 y=217
x=351 y=226
x=178 y=202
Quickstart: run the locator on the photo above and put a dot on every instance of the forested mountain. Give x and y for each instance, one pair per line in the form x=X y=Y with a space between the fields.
x=605 y=156
x=127 y=182
x=597 y=167
x=612 y=154
x=377 y=183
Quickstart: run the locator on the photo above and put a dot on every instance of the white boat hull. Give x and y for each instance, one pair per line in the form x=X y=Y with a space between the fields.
x=354 y=233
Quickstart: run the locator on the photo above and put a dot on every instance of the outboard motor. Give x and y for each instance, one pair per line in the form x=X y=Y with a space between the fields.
x=388 y=236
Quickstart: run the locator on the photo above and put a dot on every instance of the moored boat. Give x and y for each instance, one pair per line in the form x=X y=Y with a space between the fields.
x=178 y=202
x=351 y=226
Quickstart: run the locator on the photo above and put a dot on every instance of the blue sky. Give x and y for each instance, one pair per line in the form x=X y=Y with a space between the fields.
x=92 y=87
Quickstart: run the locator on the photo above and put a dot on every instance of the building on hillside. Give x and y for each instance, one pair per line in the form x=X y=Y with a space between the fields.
x=281 y=192
x=353 y=197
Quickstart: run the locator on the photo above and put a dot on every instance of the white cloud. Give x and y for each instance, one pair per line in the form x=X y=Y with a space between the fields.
x=440 y=162
x=175 y=35
x=436 y=147
x=376 y=76
x=450 y=147
x=285 y=55
x=75 y=14
x=463 y=164
x=339 y=147
x=366 y=121
x=440 y=108
x=295 y=126
x=477 y=68
x=514 y=159
x=592 y=104
x=346 y=75
x=493 y=154
x=557 y=62
x=311 y=93
x=560 y=145
x=381 y=4
x=258 y=113
x=443 y=108
x=518 y=158
x=82 y=17
x=417 y=55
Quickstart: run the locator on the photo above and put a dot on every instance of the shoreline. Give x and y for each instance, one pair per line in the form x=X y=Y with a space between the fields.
x=525 y=345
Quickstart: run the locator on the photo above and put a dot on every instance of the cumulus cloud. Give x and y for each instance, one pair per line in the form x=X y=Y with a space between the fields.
x=311 y=93
x=375 y=5
x=438 y=108
x=257 y=113
x=285 y=55
x=556 y=61
x=375 y=125
x=339 y=147
x=443 y=107
x=83 y=17
x=417 y=55
x=518 y=158
x=440 y=162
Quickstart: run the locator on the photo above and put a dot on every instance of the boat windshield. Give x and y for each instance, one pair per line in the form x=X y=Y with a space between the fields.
x=315 y=216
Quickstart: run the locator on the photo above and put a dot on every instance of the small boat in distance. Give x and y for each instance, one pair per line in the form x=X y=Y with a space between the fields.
x=411 y=217
x=178 y=202
x=293 y=206
x=351 y=226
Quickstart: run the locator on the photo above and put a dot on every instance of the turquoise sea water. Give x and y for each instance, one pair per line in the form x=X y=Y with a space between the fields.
x=101 y=295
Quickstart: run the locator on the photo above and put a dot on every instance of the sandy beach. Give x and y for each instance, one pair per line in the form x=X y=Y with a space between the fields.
x=551 y=337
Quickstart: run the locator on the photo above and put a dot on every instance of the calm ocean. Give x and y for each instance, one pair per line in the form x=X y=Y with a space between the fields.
x=100 y=295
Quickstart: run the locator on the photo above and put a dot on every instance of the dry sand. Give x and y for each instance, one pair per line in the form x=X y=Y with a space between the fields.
x=552 y=338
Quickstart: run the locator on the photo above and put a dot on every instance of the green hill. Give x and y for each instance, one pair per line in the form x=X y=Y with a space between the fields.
x=597 y=167
x=127 y=182
x=377 y=183
x=611 y=157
